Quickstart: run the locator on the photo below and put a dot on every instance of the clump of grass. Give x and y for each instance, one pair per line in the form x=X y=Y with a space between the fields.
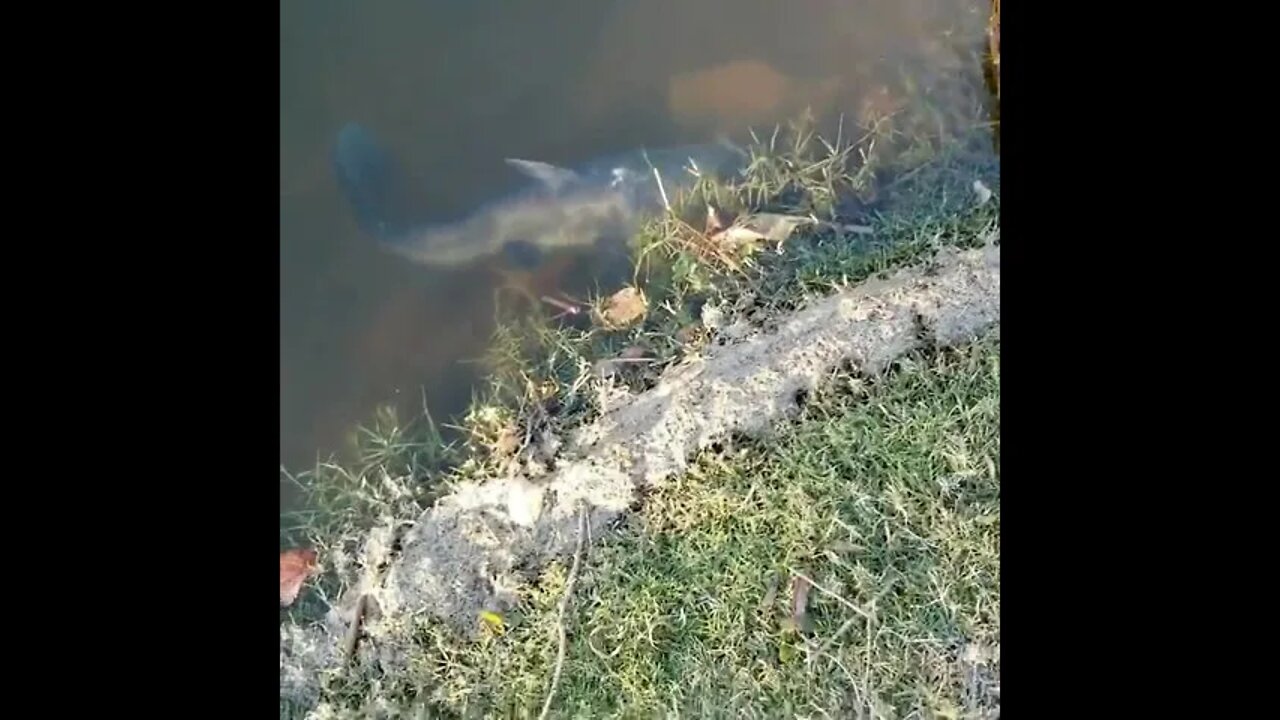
x=885 y=494
x=398 y=470
x=905 y=172
x=678 y=272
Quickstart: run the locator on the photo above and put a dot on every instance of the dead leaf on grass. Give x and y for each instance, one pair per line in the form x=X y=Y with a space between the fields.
x=296 y=566
x=623 y=309
x=507 y=442
x=800 y=605
x=761 y=227
x=982 y=191
x=493 y=622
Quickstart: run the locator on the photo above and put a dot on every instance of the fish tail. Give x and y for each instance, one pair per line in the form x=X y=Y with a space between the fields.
x=374 y=186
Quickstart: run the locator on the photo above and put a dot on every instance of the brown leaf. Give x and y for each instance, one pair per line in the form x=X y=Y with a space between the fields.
x=507 y=442
x=773 y=227
x=623 y=309
x=800 y=605
x=296 y=566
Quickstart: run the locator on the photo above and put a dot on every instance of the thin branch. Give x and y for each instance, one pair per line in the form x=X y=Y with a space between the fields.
x=564 y=604
x=825 y=591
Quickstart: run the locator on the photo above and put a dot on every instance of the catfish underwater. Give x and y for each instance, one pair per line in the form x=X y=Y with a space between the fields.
x=604 y=200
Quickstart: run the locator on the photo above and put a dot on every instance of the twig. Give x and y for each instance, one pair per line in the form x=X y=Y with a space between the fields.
x=566 y=308
x=352 y=638
x=665 y=202
x=564 y=604
x=825 y=591
x=353 y=631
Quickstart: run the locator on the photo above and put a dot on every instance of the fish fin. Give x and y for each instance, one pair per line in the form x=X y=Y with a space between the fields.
x=553 y=176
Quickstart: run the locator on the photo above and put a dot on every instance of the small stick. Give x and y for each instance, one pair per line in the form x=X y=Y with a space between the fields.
x=568 y=308
x=352 y=637
x=564 y=604
x=825 y=591
x=662 y=190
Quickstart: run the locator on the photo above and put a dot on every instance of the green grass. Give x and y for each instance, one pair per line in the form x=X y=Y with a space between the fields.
x=885 y=493
x=928 y=203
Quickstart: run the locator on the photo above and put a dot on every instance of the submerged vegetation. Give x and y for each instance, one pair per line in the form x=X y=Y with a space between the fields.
x=846 y=567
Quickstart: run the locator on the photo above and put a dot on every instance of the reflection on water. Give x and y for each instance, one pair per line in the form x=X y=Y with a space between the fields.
x=455 y=87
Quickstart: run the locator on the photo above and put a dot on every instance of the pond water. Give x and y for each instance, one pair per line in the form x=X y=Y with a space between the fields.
x=452 y=88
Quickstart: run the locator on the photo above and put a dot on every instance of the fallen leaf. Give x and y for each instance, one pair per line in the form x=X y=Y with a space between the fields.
x=296 y=566
x=983 y=192
x=623 y=309
x=773 y=227
x=493 y=621
x=507 y=442
x=800 y=605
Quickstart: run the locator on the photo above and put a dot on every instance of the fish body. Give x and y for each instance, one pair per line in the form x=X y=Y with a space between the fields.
x=605 y=199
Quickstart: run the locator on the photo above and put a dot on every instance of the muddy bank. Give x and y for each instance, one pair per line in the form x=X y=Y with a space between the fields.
x=469 y=552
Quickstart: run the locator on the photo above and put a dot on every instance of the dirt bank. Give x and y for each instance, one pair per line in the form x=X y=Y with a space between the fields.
x=469 y=552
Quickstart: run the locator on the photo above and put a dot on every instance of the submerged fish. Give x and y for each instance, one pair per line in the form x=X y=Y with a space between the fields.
x=603 y=200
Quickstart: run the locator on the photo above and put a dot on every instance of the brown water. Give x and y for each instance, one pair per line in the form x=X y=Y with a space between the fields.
x=453 y=87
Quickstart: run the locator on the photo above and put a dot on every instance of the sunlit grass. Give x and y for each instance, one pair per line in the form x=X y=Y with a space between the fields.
x=886 y=494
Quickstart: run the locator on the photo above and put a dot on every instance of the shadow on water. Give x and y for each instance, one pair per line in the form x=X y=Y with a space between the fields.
x=456 y=87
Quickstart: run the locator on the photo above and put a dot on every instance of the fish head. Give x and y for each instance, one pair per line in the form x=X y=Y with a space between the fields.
x=635 y=175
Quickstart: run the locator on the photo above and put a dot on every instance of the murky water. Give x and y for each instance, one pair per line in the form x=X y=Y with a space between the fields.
x=454 y=87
